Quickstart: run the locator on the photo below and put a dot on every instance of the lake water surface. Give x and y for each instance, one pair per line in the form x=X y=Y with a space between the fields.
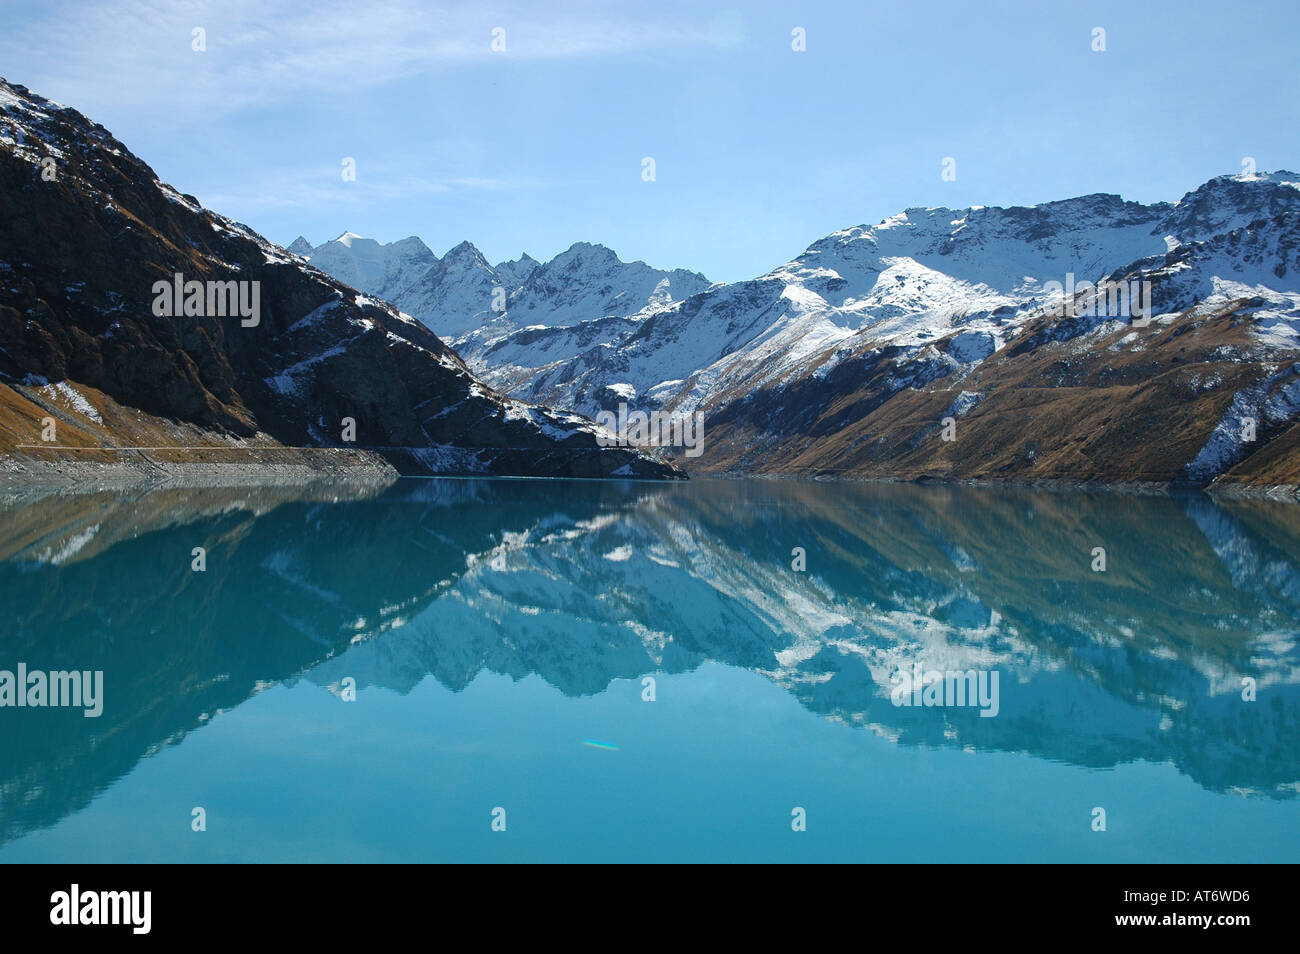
x=640 y=672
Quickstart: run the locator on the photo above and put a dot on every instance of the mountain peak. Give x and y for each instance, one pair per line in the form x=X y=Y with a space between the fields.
x=516 y=272
x=585 y=254
x=592 y=248
x=1244 y=183
x=466 y=253
x=300 y=246
x=1229 y=202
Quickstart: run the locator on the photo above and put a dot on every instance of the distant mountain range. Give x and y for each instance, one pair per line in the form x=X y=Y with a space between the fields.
x=454 y=295
x=120 y=338
x=848 y=359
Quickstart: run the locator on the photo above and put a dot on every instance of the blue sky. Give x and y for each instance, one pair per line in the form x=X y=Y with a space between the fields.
x=759 y=150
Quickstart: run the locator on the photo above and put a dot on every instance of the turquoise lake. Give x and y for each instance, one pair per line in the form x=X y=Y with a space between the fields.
x=632 y=671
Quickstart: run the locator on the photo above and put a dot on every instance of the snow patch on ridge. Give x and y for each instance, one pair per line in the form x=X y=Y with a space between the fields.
x=1274 y=401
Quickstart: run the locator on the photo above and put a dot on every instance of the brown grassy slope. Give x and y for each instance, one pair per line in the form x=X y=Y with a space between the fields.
x=1118 y=404
x=81 y=442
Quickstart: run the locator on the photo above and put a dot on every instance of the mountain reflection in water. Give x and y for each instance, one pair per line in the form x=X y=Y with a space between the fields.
x=585 y=583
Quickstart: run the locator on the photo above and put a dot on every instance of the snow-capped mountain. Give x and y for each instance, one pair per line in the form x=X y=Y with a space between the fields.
x=965 y=326
x=941 y=302
x=380 y=270
x=88 y=233
x=969 y=277
x=474 y=305
x=515 y=273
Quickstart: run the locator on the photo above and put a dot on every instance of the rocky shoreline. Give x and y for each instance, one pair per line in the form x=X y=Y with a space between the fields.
x=263 y=466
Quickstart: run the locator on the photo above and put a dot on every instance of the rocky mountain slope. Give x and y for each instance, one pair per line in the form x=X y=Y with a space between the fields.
x=87 y=233
x=848 y=359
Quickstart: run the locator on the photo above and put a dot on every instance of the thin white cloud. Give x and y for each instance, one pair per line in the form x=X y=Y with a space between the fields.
x=138 y=53
x=322 y=187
